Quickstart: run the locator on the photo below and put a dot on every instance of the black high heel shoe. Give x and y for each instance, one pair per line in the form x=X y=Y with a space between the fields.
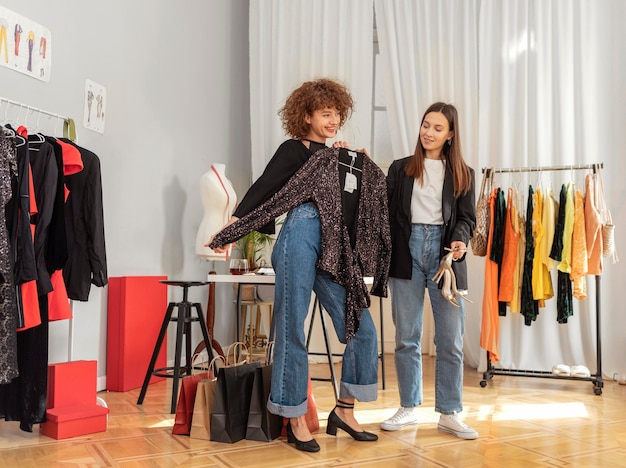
x=308 y=446
x=335 y=422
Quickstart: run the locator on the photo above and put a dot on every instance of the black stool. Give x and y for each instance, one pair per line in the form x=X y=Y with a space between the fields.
x=183 y=321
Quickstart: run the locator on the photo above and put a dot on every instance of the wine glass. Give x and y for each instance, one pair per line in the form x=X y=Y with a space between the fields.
x=238 y=266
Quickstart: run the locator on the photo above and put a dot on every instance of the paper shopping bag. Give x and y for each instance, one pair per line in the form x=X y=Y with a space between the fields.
x=262 y=425
x=186 y=400
x=229 y=418
x=201 y=418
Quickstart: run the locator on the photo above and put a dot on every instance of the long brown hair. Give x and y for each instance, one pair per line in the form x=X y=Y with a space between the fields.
x=451 y=153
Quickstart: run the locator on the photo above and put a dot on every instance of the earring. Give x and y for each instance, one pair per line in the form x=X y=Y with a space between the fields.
x=449 y=141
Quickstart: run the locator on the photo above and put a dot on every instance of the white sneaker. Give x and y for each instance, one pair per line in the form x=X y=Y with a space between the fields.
x=404 y=417
x=451 y=424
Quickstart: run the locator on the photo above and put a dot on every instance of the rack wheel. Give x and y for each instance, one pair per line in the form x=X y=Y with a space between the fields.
x=483 y=383
x=597 y=391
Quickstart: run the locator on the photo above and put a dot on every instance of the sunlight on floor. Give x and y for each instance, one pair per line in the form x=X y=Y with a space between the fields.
x=164 y=423
x=538 y=411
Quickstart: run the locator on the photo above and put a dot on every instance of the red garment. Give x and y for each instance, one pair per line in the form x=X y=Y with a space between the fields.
x=58 y=302
x=72 y=162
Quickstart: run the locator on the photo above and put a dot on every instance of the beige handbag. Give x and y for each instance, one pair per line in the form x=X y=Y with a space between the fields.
x=481 y=234
x=608 y=228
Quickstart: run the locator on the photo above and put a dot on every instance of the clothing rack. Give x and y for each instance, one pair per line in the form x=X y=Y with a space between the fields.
x=595 y=378
x=69 y=129
x=70 y=132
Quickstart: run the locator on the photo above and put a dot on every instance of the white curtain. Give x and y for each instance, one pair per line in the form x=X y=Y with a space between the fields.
x=524 y=76
x=429 y=53
x=292 y=41
x=536 y=83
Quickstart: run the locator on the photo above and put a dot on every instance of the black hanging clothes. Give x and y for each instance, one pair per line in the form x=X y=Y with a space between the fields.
x=84 y=223
x=529 y=306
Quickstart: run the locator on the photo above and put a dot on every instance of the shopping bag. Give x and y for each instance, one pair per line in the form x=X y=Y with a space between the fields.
x=205 y=395
x=231 y=405
x=311 y=416
x=263 y=425
x=186 y=401
x=201 y=418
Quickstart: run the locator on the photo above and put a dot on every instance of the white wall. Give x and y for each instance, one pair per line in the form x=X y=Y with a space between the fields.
x=176 y=77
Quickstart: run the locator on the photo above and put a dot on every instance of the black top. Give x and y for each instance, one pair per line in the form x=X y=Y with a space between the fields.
x=350 y=162
x=288 y=158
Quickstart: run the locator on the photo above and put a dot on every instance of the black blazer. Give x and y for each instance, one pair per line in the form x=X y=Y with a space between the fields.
x=84 y=224
x=459 y=218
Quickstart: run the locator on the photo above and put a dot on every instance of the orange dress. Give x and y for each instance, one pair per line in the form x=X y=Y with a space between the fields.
x=579 y=249
x=593 y=228
x=490 y=327
x=509 y=256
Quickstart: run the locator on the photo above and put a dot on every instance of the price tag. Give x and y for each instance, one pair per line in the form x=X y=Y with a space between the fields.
x=350 y=184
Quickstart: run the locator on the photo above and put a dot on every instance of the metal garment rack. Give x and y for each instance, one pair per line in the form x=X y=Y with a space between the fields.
x=596 y=378
x=20 y=106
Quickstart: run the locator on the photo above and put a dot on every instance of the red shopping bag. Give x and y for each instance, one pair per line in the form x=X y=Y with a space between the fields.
x=186 y=400
x=311 y=416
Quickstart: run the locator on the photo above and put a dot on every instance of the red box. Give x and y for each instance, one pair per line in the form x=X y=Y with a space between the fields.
x=71 y=403
x=72 y=384
x=63 y=423
x=136 y=308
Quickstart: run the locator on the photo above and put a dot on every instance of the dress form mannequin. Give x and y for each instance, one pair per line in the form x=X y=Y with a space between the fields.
x=219 y=200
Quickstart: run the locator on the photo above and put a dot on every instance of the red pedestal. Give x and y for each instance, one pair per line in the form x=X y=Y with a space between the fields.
x=136 y=308
x=72 y=408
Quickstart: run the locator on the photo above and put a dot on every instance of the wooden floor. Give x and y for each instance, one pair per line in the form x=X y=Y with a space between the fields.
x=522 y=422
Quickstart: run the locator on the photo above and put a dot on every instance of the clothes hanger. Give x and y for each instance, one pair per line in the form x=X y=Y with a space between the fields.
x=352 y=155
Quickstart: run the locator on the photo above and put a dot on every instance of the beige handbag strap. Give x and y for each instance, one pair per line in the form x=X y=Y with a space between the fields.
x=487 y=182
x=600 y=199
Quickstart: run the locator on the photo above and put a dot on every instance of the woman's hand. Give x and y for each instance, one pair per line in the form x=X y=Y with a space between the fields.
x=459 y=248
x=344 y=144
x=222 y=248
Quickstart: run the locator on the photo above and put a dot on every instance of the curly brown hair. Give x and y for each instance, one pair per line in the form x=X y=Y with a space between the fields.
x=309 y=97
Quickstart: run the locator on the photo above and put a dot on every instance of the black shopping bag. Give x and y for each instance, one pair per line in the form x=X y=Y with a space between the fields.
x=229 y=419
x=262 y=425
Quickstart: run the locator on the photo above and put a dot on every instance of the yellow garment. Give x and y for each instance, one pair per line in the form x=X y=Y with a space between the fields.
x=579 y=249
x=541 y=280
x=566 y=256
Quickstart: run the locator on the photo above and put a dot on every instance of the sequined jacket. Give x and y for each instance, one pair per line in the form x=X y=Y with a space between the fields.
x=317 y=181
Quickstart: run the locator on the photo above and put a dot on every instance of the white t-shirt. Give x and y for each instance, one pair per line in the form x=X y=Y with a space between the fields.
x=426 y=200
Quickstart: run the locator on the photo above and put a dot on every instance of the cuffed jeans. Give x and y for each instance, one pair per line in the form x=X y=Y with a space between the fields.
x=407 y=301
x=294 y=259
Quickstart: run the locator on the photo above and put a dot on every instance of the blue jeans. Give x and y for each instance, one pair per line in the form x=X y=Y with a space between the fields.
x=294 y=258
x=407 y=302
